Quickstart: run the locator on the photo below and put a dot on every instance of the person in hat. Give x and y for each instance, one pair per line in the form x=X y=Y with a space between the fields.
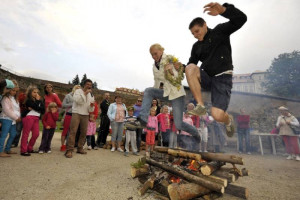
x=4 y=86
x=291 y=142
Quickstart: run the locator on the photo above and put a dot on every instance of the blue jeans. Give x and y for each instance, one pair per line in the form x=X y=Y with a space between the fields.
x=117 y=131
x=7 y=127
x=244 y=133
x=177 y=107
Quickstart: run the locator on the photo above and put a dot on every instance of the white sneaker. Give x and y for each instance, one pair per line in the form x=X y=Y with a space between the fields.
x=249 y=153
x=148 y=154
x=120 y=150
x=49 y=151
x=41 y=152
x=205 y=151
x=95 y=148
x=297 y=158
x=89 y=147
x=290 y=157
x=113 y=149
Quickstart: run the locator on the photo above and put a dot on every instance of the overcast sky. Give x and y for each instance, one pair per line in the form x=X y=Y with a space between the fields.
x=109 y=40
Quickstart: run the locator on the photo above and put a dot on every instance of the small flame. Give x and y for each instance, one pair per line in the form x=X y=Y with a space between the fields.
x=174 y=179
x=192 y=165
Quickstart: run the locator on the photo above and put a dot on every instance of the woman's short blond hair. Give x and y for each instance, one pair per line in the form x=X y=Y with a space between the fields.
x=156 y=46
x=75 y=88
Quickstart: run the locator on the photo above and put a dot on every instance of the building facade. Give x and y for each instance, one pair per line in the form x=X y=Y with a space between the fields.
x=251 y=83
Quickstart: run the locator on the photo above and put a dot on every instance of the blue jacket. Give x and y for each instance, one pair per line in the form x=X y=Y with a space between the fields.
x=111 y=113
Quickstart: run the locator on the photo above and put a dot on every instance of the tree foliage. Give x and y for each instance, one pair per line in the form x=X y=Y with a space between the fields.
x=84 y=77
x=95 y=85
x=283 y=77
x=75 y=80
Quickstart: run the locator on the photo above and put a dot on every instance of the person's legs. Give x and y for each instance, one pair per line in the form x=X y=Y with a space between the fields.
x=84 y=119
x=139 y=132
x=177 y=107
x=27 y=125
x=192 y=73
x=88 y=140
x=35 y=133
x=67 y=122
x=149 y=94
x=49 y=140
x=120 y=135
x=171 y=142
x=247 y=140
x=114 y=134
x=220 y=97
x=12 y=135
x=19 y=127
x=6 y=124
x=240 y=138
x=128 y=138
x=43 y=144
x=73 y=130
x=133 y=141
x=205 y=139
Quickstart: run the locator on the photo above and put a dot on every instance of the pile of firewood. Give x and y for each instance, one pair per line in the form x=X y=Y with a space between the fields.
x=180 y=174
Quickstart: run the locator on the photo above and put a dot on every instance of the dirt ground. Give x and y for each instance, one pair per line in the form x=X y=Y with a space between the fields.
x=102 y=174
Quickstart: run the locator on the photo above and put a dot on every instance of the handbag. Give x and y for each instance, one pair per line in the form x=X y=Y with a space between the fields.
x=296 y=129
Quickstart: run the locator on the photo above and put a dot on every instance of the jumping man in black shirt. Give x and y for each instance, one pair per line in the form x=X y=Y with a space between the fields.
x=213 y=49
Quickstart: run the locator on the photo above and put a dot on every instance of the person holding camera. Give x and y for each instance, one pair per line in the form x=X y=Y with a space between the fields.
x=83 y=104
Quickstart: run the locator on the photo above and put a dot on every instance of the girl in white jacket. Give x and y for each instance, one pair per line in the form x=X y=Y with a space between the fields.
x=9 y=116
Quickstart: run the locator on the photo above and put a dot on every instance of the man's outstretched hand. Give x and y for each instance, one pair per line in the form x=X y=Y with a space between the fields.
x=214 y=9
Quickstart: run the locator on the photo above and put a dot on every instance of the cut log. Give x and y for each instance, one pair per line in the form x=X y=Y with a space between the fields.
x=161 y=187
x=186 y=191
x=161 y=149
x=148 y=184
x=209 y=168
x=237 y=191
x=231 y=177
x=184 y=154
x=185 y=175
x=210 y=156
x=135 y=172
x=222 y=157
x=222 y=181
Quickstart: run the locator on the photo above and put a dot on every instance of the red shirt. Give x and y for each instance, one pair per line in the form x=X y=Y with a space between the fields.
x=52 y=98
x=49 y=119
x=96 y=111
x=243 y=121
x=164 y=120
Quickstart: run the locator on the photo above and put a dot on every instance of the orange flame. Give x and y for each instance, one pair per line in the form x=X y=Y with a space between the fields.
x=174 y=179
x=191 y=166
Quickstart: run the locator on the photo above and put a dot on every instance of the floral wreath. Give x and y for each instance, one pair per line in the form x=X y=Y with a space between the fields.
x=175 y=81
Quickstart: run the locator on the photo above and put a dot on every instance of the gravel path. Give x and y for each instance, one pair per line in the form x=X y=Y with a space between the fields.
x=102 y=174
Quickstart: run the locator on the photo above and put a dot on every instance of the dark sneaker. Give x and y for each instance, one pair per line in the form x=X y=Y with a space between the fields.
x=25 y=154
x=198 y=110
x=230 y=128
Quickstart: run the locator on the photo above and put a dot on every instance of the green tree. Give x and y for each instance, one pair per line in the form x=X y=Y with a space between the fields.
x=95 y=85
x=283 y=77
x=75 y=80
x=84 y=77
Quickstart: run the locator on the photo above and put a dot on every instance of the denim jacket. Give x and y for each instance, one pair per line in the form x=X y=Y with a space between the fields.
x=112 y=109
